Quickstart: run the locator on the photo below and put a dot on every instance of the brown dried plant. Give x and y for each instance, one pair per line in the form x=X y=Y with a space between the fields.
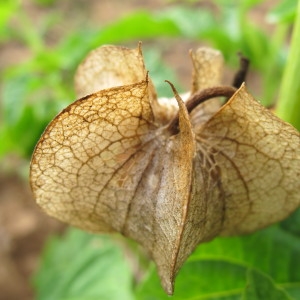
x=167 y=175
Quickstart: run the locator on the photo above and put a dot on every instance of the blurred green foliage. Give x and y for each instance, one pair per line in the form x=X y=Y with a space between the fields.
x=264 y=265
x=83 y=266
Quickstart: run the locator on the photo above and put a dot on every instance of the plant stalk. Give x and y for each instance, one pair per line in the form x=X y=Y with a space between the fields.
x=288 y=106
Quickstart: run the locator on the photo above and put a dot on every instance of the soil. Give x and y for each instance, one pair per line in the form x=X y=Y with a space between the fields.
x=24 y=228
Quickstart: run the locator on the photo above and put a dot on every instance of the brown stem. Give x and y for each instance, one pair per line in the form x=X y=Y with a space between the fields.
x=198 y=98
x=241 y=74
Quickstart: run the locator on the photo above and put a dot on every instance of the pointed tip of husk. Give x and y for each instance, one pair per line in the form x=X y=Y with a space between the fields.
x=168 y=285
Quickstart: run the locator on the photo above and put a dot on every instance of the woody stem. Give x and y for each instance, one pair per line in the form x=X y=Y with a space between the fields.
x=198 y=98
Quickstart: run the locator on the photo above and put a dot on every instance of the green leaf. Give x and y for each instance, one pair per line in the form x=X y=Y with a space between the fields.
x=14 y=92
x=292 y=224
x=273 y=243
x=23 y=135
x=247 y=4
x=260 y=286
x=8 y=9
x=46 y=2
x=136 y=26
x=191 y=23
x=177 y=21
x=284 y=12
x=83 y=266
x=6 y=144
x=288 y=105
x=255 y=44
x=218 y=270
x=159 y=72
x=207 y=279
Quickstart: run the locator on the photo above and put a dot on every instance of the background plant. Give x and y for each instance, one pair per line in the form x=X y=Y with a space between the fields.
x=83 y=266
